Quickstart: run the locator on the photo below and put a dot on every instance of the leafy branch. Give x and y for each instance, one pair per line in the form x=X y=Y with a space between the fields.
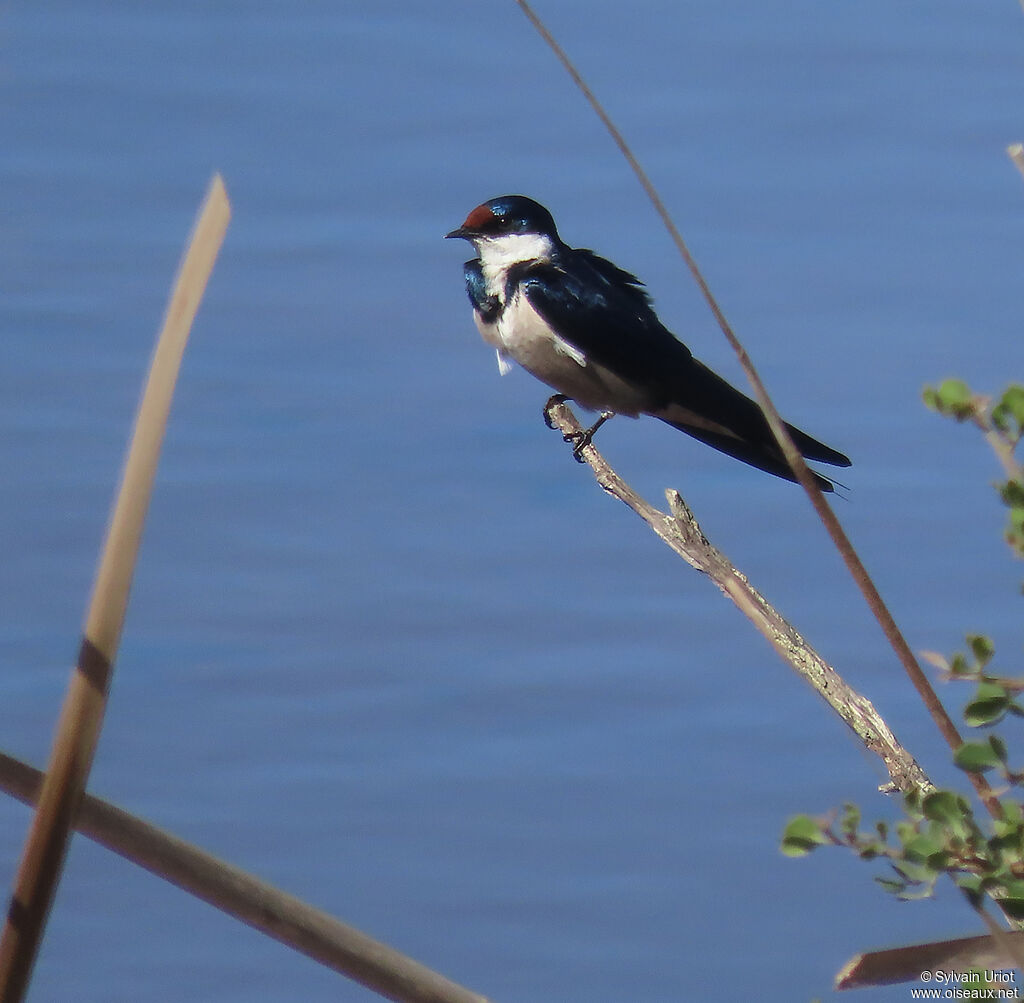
x=939 y=833
x=1002 y=423
x=938 y=836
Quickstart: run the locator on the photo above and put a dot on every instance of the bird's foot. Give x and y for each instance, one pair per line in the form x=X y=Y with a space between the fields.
x=553 y=401
x=580 y=440
x=583 y=439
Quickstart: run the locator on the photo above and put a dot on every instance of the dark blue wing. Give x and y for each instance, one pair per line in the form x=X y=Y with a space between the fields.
x=603 y=311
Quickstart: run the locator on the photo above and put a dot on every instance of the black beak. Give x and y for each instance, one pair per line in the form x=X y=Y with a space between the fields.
x=460 y=232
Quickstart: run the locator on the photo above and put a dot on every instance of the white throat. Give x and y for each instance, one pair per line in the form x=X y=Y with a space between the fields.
x=499 y=254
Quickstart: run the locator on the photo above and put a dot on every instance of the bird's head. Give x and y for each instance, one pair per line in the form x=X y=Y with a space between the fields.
x=509 y=219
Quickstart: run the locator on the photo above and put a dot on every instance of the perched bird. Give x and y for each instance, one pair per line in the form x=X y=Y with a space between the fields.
x=586 y=328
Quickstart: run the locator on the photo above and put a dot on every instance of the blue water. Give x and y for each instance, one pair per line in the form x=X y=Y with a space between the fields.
x=388 y=646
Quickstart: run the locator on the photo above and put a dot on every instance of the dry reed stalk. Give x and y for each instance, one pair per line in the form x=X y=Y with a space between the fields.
x=244 y=897
x=85 y=701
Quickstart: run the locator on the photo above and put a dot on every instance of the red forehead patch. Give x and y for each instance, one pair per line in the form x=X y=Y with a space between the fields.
x=479 y=218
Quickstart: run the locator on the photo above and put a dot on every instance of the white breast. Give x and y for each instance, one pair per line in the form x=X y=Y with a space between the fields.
x=522 y=335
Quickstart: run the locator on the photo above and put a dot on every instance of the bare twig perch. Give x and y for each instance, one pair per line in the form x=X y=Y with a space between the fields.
x=785 y=443
x=681 y=532
x=275 y=913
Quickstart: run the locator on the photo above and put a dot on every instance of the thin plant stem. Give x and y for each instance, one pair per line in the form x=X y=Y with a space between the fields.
x=796 y=462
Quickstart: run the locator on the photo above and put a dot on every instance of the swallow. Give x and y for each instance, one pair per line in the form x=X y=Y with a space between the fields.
x=586 y=328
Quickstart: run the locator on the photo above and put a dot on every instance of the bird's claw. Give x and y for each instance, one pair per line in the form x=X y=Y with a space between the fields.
x=553 y=401
x=584 y=439
x=580 y=440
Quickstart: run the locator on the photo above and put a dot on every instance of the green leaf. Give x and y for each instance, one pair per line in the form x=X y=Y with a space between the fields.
x=970 y=884
x=1013 y=907
x=1006 y=848
x=912 y=803
x=1012 y=493
x=1012 y=811
x=988 y=706
x=850 y=821
x=982 y=647
x=891 y=885
x=950 y=810
x=976 y=757
x=906 y=831
x=919 y=849
x=952 y=392
x=958 y=665
x=998 y=747
x=802 y=835
x=1013 y=398
x=1010 y=407
x=941 y=805
x=954 y=398
x=915 y=872
x=923 y=892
